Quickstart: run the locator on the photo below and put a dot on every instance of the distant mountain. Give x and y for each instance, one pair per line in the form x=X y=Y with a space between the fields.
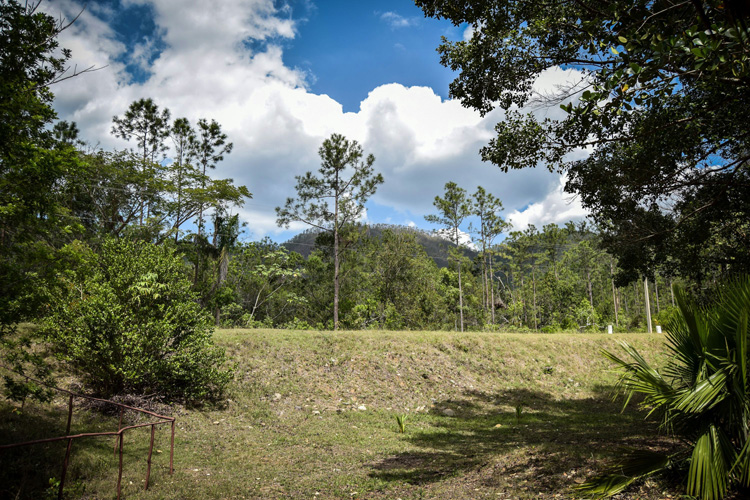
x=435 y=244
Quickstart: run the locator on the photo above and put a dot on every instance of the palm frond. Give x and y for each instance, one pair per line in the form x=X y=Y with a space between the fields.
x=741 y=466
x=708 y=474
x=640 y=377
x=704 y=395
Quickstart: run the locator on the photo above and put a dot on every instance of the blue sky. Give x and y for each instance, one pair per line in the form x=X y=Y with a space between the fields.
x=280 y=77
x=353 y=47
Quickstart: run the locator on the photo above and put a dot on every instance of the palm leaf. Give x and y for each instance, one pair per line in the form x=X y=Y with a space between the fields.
x=704 y=395
x=640 y=377
x=708 y=474
x=703 y=391
x=741 y=466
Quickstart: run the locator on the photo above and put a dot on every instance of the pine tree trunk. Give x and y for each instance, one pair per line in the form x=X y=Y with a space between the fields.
x=460 y=297
x=460 y=287
x=222 y=276
x=492 y=292
x=200 y=214
x=336 y=275
x=533 y=286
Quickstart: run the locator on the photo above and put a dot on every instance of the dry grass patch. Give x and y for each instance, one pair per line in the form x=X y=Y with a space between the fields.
x=313 y=415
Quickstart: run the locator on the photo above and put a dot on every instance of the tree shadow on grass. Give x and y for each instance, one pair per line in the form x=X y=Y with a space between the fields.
x=520 y=436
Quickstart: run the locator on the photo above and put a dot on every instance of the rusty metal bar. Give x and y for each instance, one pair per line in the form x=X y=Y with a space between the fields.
x=148 y=460
x=77 y=436
x=70 y=414
x=171 y=452
x=64 y=470
x=119 y=474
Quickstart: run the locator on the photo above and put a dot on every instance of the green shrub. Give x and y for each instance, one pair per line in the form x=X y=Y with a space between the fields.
x=702 y=395
x=125 y=320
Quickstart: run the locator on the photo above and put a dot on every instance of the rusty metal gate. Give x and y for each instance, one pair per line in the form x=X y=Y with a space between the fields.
x=119 y=433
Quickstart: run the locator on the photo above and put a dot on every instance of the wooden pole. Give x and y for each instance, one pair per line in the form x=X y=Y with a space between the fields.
x=64 y=470
x=70 y=414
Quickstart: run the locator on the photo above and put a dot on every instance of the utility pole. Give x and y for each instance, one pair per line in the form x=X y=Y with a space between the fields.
x=648 y=306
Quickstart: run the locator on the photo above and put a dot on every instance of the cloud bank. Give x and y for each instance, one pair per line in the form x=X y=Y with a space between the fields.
x=224 y=60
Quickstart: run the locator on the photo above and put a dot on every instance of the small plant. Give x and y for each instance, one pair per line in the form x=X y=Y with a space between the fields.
x=519 y=412
x=76 y=490
x=401 y=420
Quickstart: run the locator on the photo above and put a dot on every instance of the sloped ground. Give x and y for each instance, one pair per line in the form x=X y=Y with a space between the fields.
x=313 y=415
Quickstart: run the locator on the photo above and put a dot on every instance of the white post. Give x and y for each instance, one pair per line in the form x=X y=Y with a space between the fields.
x=648 y=305
x=609 y=329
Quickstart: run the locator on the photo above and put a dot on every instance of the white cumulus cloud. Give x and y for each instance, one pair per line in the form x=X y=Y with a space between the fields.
x=557 y=207
x=397 y=21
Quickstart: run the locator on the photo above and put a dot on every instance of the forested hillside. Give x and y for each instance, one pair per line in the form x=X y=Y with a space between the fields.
x=434 y=244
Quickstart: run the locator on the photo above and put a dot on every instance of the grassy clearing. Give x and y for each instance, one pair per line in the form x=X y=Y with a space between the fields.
x=313 y=415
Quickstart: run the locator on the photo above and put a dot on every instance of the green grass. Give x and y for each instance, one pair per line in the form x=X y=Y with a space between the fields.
x=313 y=415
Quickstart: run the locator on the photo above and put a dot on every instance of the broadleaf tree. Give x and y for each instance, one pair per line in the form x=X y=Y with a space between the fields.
x=660 y=97
x=32 y=220
x=335 y=198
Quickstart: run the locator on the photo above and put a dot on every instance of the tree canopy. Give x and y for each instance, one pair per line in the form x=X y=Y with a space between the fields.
x=661 y=98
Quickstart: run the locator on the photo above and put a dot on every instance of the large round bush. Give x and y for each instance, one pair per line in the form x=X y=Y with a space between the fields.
x=125 y=320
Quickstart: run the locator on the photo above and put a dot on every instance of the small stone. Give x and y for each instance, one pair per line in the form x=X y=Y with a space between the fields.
x=276 y=396
x=316 y=412
x=217 y=422
x=362 y=408
x=448 y=412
